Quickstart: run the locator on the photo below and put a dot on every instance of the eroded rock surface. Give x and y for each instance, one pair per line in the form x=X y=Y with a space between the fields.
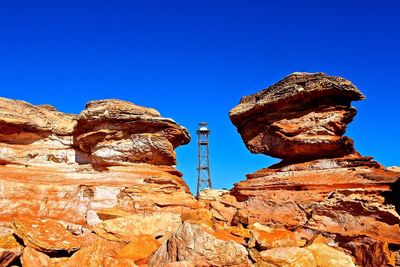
x=114 y=132
x=67 y=167
x=322 y=184
x=192 y=243
x=302 y=116
x=126 y=228
x=10 y=250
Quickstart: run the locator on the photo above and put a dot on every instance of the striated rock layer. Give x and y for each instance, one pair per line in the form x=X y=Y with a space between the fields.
x=322 y=184
x=114 y=155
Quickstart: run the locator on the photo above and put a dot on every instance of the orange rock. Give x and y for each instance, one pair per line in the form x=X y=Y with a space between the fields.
x=326 y=256
x=64 y=193
x=115 y=131
x=46 y=235
x=228 y=236
x=112 y=213
x=34 y=258
x=101 y=253
x=260 y=227
x=140 y=249
x=192 y=243
x=322 y=184
x=303 y=116
x=287 y=257
x=10 y=250
x=319 y=239
x=57 y=166
x=180 y=264
x=276 y=238
x=238 y=230
x=369 y=252
x=127 y=228
x=201 y=216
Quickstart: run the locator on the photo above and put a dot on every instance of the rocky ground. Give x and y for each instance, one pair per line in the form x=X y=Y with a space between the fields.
x=101 y=189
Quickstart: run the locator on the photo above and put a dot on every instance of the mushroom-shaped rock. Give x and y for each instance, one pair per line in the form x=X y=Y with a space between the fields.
x=113 y=131
x=22 y=122
x=302 y=117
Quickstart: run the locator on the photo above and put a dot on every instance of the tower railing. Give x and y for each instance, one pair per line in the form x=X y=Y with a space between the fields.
x=203 y=158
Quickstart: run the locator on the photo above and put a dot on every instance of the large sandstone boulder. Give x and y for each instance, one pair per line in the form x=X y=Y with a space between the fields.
x=303 y=116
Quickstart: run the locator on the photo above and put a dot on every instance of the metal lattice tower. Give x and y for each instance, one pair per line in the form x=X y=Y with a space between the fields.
x=203 y=166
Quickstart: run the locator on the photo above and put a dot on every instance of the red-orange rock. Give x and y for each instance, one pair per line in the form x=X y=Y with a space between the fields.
x=200 y=216
x=140 y=249
x=322 y=185
x=115 y=131
x=46 y=235
x=50 y=166
x=102 y=253
x=274 y=239
x=126 y=229
x=369 y=252
x=34 y=258
x=303 y=116
x=344 y=197
x=10 y=250
x=228 y=236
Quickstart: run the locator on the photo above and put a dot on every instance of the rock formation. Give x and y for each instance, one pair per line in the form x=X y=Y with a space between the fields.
x=114 y=155
x=322 y=184
x=304 y=116
x=101 y=189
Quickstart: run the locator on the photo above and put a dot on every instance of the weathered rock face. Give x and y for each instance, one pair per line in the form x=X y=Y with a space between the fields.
x=68 y=167
x=9 y=250
x=304 y=116
x=194 y=244
x=322 y=184
x=114 y=132
x=126 y=228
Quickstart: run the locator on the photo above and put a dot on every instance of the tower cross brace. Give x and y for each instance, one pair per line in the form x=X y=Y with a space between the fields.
x=203 y=158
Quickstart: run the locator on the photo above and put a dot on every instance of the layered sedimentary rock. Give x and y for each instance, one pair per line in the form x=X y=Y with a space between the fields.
x=304 y=116
x=113 y=132
x=322 y=184
x=69 y=167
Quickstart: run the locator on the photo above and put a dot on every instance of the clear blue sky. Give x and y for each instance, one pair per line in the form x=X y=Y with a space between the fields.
x=193 y=60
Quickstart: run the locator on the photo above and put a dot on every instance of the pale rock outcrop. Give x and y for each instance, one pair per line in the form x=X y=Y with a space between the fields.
x=192 y=243
x=287 y=257
x=325 y=256
x=127 y=228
